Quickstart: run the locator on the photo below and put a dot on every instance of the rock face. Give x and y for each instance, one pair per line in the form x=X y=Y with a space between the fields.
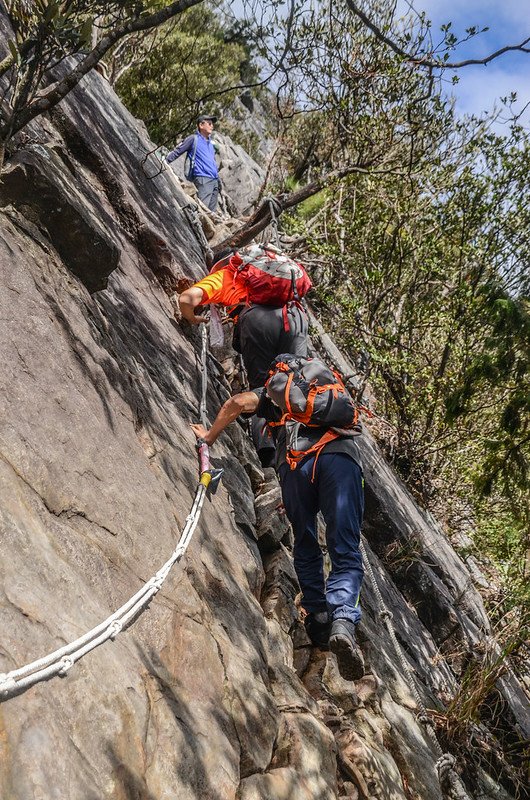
x=251 y=121
x=242 y=179
x=39 y=185
x=214 y=692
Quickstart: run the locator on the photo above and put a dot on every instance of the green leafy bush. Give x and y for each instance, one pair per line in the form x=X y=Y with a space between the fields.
x=185 y=69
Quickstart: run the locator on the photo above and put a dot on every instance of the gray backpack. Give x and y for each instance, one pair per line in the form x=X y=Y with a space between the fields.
x=311 y=396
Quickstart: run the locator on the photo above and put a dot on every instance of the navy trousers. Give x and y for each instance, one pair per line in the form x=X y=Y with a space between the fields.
x=337 y=491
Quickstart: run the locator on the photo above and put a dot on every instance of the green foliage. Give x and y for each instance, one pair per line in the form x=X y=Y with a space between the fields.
x=501 y=371
x=46 y=33
x=505 y=540
x=58 y=28
x=417 y=282
x=423 y=270
x=308 y=208
x=187 y=67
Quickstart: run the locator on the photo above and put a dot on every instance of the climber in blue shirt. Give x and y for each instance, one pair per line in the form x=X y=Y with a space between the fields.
x=200 y=157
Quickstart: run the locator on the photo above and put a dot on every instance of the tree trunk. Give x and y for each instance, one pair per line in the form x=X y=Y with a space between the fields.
x=262 y=217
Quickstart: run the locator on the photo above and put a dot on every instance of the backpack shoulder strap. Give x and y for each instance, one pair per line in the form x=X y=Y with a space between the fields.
x=194 y=150
x=190 y=158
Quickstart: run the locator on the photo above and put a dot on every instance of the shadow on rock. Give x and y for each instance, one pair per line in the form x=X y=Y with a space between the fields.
x=196 y=754
x=130 y=785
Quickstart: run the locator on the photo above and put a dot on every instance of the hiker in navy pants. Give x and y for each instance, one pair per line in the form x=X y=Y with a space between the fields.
x=331 y=482
x=336 y=491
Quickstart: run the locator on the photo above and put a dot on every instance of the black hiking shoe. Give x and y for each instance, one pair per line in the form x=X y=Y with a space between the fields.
x=342 y=643
x=317 y=628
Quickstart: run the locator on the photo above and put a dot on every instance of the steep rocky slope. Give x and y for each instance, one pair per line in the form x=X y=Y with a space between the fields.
x=214 y=692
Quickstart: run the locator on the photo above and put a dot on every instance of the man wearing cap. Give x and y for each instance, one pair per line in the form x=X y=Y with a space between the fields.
x=201 y=153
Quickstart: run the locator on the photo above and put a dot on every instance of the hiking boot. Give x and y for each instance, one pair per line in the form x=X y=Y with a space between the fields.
x=317 y=628
x=342 y=643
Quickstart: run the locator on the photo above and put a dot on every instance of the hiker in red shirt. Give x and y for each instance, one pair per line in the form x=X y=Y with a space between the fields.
x=218 y=287
x=265 y=302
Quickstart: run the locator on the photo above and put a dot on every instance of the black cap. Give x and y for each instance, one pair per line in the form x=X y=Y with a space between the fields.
x=205 y=118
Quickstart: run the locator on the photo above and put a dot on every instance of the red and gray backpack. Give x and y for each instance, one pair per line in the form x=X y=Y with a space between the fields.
x=271 y=278
x=313 y=396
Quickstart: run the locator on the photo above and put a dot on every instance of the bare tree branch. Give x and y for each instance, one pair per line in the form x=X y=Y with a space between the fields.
x=281 y=202
x=427 y=60
x=59 y=90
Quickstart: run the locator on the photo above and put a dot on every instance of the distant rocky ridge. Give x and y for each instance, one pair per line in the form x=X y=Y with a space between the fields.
x=214 y=692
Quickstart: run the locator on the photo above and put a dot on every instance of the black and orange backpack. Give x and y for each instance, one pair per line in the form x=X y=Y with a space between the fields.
x=312 y=395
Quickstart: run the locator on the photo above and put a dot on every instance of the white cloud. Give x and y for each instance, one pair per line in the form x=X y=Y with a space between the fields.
x=514 y=13
x=509 y=22
x=480 y=89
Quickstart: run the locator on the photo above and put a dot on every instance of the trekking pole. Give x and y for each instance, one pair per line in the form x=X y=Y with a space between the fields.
x=209 y=477
x=204 y=376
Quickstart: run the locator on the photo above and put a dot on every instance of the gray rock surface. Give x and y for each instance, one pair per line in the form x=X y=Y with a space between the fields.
x=214 y=692
x=272 y=525
x=253 y=119
x=242 y=179
x=38 y=183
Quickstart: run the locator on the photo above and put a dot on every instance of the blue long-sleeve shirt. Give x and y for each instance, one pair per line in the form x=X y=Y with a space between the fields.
x=204 y=166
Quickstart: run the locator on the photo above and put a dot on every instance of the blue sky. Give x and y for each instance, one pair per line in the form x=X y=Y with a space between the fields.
x=479 y=87
x=509 y=23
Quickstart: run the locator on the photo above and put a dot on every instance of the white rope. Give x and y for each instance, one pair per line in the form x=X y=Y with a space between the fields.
x=445 y=765
x=274 y=209
x=60 y=661
x=449 y=778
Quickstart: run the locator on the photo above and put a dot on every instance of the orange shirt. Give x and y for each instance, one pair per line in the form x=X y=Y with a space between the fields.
x=220 y=287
